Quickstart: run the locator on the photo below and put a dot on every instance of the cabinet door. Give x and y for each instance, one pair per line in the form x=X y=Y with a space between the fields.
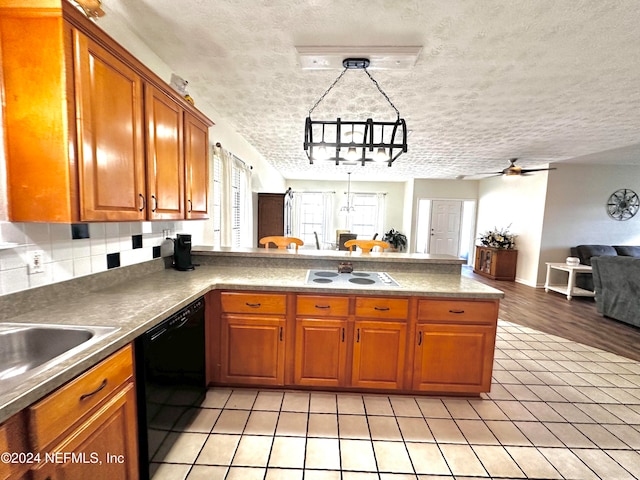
x=453 y=358
x=321 y=352
x=110 y=135
x=252 y=350
x=196 y=153
x=105 y=446
x=165 y=156
x=378 y=354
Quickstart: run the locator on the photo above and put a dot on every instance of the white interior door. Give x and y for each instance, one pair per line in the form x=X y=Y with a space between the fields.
x=446 y=218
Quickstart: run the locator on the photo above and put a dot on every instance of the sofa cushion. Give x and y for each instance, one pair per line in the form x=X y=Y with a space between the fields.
x=585 y=252
x=627 y=250
x=617 y=285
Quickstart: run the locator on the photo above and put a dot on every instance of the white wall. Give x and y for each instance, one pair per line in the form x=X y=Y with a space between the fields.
x=518 y=202
x=575 y=210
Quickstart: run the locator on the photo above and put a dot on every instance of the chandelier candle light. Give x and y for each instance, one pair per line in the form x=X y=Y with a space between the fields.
x=364 y=140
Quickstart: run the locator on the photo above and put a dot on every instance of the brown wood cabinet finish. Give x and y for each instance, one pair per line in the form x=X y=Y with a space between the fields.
x=496 y=263
x=109 y=437
x=252 y=349
x=378 y=354
x=13 y=439
x=353 y=342
x=110 y=135
x=165 y=156
x=74 y=125
x=196 y=157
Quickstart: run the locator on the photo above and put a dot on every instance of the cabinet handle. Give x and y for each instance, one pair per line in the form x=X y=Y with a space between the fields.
x=90 y=394
x=382 y=309
x=342 y=334
x=420 y=338
x=144 y=203
x=155 y=203
x=190 y=205
x=323 y=306
x=456 y=311
x=358 y=336
x=253 y=305
x=280 y=333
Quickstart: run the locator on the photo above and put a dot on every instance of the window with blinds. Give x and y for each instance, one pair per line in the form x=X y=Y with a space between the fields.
x=236 y=208
x=216 y=205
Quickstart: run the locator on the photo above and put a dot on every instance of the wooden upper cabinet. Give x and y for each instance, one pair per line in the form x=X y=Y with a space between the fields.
x=165 y=156
x=75 y=120
x=196 y=155
x=110 y=135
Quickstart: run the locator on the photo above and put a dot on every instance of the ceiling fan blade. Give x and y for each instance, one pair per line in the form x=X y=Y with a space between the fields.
x=529 y=170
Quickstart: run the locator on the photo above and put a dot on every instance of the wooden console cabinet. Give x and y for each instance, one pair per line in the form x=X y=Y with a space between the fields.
x=496 y=263
x=352 y=342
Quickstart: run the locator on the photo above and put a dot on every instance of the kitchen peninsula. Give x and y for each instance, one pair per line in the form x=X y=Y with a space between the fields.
x=433 y=332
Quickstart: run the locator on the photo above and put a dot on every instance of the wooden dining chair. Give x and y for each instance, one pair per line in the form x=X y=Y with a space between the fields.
x=281 y=242
x=366 y=245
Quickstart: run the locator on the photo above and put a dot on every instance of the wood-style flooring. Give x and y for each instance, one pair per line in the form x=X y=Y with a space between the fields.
x=575 y=319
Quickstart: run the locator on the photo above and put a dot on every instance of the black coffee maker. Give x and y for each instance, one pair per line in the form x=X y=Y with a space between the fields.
x=182 y=252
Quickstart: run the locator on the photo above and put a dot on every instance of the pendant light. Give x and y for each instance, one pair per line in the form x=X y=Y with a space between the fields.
x=379 y=141
x=348 y=208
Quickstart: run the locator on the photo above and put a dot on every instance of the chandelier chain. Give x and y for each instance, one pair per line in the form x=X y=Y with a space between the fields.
x=381 y=91
x=328 y=90
x=338 y=79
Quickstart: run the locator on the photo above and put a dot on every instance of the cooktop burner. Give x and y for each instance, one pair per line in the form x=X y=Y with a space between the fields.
x=325 y=277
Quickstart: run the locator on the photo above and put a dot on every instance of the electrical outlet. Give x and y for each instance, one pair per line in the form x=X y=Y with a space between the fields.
x=35 y=262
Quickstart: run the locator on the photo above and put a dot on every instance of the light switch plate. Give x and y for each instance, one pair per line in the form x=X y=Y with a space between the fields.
x=35 y=262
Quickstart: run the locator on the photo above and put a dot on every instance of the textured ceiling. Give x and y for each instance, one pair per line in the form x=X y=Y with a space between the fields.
x=542 y=80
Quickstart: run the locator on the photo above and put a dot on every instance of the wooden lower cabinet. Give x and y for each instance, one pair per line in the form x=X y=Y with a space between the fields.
x=453 y=358
x=320 y=352
x=378 y=354
x=252 y=349
x=103 y=447
x=354 y=342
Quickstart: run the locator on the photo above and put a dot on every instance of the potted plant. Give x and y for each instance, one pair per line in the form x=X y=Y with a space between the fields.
x=397 y=240
x=498 y=238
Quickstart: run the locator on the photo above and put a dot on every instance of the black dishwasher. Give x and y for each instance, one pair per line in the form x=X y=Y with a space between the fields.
x=170 y=377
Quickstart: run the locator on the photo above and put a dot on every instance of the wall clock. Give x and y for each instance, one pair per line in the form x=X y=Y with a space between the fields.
x=623 y=204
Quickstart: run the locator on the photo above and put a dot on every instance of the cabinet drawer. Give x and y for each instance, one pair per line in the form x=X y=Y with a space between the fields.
x=382 y=307
x=458 y=311
x=322 y=306
x=70 y=403
x=253 y=303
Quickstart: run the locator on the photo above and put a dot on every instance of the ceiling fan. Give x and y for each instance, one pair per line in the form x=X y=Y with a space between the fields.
x=512 y=170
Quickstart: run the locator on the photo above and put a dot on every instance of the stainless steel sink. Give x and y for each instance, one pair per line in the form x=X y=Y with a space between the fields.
x=28 y=349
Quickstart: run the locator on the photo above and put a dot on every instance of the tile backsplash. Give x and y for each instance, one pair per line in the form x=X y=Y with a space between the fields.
x=70 y=251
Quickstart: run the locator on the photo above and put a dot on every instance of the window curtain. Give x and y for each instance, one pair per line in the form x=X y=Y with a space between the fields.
x=226 y=213
x=228 y=162
x=328 y=231
x=246 y=205
x=380 y=197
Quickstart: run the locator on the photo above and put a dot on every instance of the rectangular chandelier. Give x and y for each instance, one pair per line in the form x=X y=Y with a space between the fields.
x=355 y=141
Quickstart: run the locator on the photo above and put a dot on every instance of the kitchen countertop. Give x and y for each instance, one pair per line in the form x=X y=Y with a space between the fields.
x=140 y=303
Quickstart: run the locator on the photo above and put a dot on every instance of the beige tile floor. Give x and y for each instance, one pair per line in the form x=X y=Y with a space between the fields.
x=557 y=410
